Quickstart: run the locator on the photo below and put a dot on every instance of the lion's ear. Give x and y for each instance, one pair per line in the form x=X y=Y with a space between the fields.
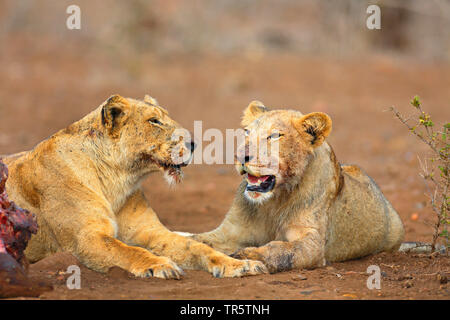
x=150 y=100
x=254 y=110
x=314 y=127
x=113 y=111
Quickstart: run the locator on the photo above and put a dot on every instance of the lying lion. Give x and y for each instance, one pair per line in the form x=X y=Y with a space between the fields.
x=83 y=183
x=308 y=209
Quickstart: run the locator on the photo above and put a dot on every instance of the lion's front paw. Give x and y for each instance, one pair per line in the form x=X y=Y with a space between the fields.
x=163 y=268
x=274 y=260
x=231 y=268
x=251 y=253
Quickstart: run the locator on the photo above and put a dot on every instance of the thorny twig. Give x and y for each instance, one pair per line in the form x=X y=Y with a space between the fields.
x=437 y=141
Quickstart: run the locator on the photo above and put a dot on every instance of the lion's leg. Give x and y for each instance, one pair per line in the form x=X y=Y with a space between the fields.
x=217 y=239
x=91 y=238
x=192 y=254
x=139 y=225
x=231 y=235
x=305 y=250
x=101 y=251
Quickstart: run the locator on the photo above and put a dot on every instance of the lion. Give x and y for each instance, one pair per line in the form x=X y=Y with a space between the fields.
x=308 y=209
x=84 y=185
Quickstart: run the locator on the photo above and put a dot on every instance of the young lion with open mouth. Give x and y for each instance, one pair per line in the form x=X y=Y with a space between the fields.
x=83 y=183
x=307 y=208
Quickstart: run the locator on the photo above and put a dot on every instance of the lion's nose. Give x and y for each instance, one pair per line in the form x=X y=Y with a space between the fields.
x=244 y=159
x=244 y=155
x=191 y=145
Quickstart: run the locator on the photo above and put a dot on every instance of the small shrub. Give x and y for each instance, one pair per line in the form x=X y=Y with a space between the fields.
x=435 y=169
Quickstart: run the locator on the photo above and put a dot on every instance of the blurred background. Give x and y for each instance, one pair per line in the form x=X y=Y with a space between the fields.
x=206 y=60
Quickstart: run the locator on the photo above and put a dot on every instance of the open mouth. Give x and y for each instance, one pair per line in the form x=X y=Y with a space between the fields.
x=173 y=170
x=260 y=183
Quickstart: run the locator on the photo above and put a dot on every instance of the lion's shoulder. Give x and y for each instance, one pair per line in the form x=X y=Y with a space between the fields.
x=352 y=170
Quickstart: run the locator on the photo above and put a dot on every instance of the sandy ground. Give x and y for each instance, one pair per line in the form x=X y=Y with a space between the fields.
x=41 y=93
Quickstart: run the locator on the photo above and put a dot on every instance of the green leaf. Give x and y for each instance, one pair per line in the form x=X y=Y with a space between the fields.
x=415 y=102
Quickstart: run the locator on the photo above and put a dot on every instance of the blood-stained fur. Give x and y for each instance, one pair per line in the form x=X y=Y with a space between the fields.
x=308 y=209
x=84 y=185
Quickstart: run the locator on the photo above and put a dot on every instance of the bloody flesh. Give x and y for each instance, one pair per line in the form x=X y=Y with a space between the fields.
x=16 y=224
x=16 y=227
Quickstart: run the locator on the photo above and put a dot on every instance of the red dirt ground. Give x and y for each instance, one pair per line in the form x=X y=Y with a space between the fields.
x=42 y=92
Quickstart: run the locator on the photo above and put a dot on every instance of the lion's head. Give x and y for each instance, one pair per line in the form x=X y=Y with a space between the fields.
x=145 y=138
x=278 y=146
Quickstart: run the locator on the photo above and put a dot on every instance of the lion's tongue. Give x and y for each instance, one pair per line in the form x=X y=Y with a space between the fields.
x=254 y=179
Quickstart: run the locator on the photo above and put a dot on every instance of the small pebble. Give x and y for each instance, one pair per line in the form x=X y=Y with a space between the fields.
x=299 y=277
x=442 y=278
x=306 y=292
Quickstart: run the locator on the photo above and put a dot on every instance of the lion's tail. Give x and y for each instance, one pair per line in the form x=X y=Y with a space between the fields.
x=420 y=247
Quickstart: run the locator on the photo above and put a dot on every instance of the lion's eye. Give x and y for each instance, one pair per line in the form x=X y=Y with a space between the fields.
x=155 y=121
x=246 y=132
x=274 y=136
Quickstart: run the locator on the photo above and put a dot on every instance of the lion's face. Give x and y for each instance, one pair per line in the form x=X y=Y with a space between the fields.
x=146 y=138
x=278 y=146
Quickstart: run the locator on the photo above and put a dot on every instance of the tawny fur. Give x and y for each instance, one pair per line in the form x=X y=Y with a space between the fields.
x=83 y=183
x=318 y=211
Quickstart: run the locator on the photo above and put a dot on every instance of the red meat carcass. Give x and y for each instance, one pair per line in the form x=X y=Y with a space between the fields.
x=16 y=227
